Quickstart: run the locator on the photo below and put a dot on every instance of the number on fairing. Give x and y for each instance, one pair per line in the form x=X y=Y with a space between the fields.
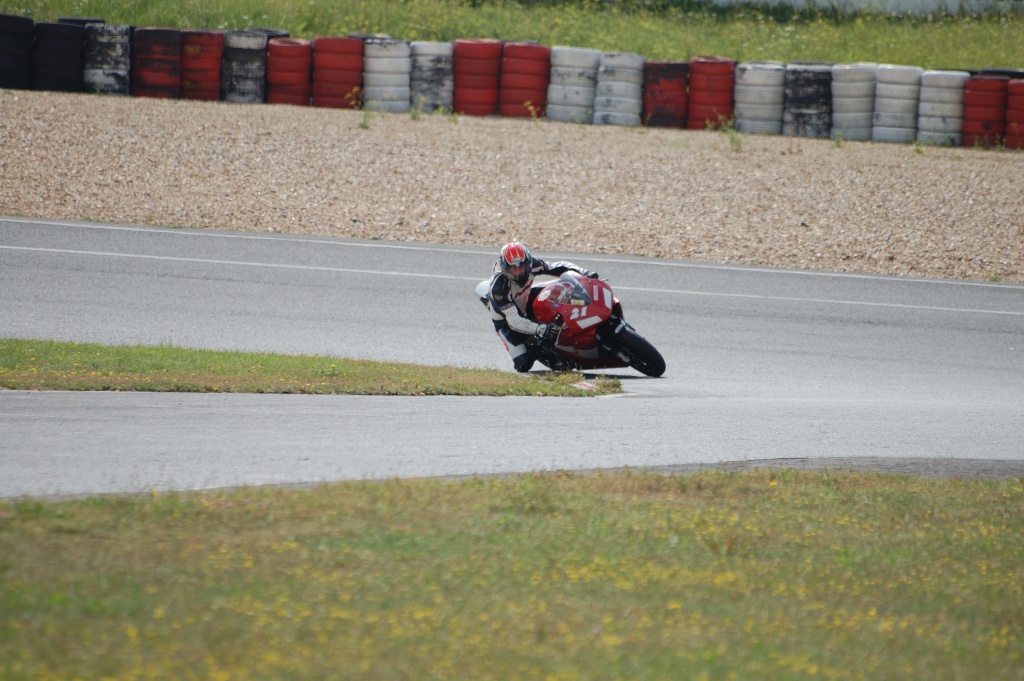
x=578 y=312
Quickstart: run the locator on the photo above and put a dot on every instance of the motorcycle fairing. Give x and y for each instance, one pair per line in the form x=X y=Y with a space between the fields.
x=582 y=303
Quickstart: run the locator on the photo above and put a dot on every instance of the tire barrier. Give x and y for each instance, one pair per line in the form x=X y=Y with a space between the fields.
x=243 y=72
x=712 y=80
x=853 y=100
x=1012 y=74
x=432 y=82
x=573 y=84
x=387 y=72
x=108 y=59
x=618 y=98
x=759 y=97
x=808 y=97
x=897 y=93
x=477 y=76
x=202 y=55
x=289 y=63
x=337 y=72
x=57 y=57
x=940 y=111
x=1014 y=114
x=1014 y=128
x=156 y=63
x=525 y=76
x=985 y=98
x=17 y=35
x=271 y=33
x=665 y=94
x=81 y=21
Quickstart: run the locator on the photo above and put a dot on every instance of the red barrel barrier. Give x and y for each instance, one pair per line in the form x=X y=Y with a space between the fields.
x=712 y=80
x=289 y=64
x=477 y=76
x=156 y=63
x=665 y=97
x=1014 y=115
x=201 y=54
x=525 y=74
x=985 y=110
x=337 y=72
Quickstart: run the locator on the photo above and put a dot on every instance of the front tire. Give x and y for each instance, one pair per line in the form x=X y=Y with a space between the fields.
x=643 y=356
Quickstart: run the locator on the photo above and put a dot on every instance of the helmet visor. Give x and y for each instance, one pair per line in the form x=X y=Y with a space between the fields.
x=517 y=272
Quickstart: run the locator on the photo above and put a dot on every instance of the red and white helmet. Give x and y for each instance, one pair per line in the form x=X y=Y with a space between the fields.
x=516 y=263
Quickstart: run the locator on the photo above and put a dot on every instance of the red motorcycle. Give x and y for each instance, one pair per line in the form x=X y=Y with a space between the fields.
x=594 y=334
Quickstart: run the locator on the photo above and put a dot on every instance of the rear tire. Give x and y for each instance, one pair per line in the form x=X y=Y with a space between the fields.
x=643 y=356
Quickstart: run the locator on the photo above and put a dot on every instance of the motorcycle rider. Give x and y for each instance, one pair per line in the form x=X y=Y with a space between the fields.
x=509 y=295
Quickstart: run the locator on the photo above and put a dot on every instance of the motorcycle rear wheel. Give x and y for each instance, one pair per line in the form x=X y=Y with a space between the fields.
x=643 y=356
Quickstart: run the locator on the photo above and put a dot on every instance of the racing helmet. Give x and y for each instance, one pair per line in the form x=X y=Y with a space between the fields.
x=516 y=263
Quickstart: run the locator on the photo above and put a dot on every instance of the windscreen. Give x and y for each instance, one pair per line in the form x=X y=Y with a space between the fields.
x=566 y=291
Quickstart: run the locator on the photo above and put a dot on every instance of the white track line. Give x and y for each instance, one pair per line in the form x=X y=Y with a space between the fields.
x=311 y=268
x=237 y=263
x=652 y=262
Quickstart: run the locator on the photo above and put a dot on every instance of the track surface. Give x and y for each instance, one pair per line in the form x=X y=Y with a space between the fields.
x=763 y=364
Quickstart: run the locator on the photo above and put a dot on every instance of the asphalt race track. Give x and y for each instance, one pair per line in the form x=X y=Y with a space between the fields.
x=762 y=364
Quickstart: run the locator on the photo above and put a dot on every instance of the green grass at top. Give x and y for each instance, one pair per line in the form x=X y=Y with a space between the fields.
x=762 y=575
x=971 y=42
x=49 y=365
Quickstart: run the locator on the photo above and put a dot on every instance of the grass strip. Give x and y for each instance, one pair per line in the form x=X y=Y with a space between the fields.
x=759 y=575
x=50 y=365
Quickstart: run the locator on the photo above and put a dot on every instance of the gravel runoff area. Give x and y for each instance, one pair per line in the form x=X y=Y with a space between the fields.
x=715 y=197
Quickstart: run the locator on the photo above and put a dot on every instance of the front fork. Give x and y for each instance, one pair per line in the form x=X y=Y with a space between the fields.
x=606 y=334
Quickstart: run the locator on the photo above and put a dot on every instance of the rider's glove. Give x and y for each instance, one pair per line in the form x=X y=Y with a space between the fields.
x=591 y=275
x=547 y=333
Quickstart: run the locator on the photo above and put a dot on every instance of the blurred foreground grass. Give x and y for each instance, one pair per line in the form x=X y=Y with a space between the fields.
x=759 y=575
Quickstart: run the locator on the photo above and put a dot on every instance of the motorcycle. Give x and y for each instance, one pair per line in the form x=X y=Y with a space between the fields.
x=593 y=335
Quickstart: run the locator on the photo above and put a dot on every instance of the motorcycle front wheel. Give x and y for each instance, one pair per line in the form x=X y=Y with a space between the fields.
x=643 y=356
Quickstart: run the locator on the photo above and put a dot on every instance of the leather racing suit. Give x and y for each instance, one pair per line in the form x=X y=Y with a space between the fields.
x=509 y=302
